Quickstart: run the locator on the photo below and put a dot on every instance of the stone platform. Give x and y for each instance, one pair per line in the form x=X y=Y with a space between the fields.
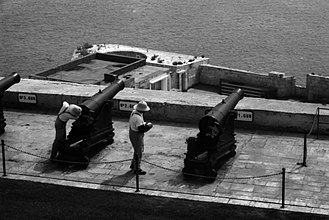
x=182 y=107
x=252 y=178
x=273 y=140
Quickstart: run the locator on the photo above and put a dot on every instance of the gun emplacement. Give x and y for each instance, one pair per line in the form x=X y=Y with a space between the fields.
x=5 y=84
x=215 y=139
x=94 y=127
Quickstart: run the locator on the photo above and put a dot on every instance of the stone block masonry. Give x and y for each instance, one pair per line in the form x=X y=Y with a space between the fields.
x=212 y=75
x=187 y=71
x=169 y=105
x=317 y=88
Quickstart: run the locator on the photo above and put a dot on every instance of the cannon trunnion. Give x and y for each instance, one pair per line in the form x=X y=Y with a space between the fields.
x=5 y=84
x=94 y=128
x=216 y=139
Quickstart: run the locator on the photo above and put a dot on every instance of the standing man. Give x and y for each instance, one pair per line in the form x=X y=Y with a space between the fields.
x=137 y=128
x=65 y=113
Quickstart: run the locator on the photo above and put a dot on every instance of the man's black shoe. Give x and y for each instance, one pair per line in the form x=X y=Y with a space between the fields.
x=140 y=172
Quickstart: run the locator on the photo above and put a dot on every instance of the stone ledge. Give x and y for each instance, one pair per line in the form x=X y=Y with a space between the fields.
x=171 y=105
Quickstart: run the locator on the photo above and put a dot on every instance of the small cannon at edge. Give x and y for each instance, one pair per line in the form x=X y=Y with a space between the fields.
x=5 y=84
x=215 y=140
x=94 y=128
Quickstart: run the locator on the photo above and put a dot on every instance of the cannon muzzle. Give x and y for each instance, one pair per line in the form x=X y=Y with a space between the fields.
x=221 y=110
x=8 y=81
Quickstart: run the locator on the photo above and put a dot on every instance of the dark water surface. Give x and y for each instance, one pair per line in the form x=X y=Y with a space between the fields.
x=290 y=36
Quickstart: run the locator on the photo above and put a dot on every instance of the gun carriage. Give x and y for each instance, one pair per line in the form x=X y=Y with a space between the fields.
x=94 y=128
x=216 y=139
x=5 y=84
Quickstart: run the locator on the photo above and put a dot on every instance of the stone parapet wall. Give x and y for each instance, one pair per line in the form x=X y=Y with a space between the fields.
x=212 y=75
x=317 y=88
x=300 y=92
x=169 y=105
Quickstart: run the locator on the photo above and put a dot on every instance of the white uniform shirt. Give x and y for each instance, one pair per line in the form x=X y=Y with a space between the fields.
x=64 y=113
x=136 y=119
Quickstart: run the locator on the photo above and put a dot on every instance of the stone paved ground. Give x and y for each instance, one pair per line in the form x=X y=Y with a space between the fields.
x=252 y=178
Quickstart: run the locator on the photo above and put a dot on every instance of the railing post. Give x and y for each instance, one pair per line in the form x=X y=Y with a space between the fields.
x=305 y=151
x=3 y=157
x=283 y=186
x=136 y=168
x=317 y=122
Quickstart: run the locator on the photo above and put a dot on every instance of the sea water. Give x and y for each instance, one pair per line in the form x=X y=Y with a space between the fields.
x=290 y=36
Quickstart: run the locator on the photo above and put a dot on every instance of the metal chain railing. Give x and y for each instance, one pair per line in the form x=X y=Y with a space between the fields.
x=202 y=176
x=306 y=134
x=313 y=123
x=283 y=172
x=318 y=120
x=125 y=160
x=63 y=161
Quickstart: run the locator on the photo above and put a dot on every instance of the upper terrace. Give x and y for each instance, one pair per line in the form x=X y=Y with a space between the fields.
x=193 y=71
x=155 y=57
x=102 y=69
x=159 y=70
x=142 y=68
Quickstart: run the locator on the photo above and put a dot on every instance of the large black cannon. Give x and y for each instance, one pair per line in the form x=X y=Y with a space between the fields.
x=216 y=139
x=94 y=128
x=5 y=84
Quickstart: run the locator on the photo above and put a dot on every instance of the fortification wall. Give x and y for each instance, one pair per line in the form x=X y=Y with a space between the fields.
x=317 y=88
x=167 y=105
x=212 y=75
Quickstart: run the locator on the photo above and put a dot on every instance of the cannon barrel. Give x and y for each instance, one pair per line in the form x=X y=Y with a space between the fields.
x=221 y=110
x=5 y=83
x=95 y=102
x=95 y=122
x=8 y=81
x=215 y=140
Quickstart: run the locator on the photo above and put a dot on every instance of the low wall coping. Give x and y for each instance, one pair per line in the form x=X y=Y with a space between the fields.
x=174 y=103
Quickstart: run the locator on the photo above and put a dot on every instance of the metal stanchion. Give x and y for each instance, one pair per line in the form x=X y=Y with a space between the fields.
x=283 y=185
x=3 y=157
x=136 y=168
x=305 y=151
x=317 y=123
